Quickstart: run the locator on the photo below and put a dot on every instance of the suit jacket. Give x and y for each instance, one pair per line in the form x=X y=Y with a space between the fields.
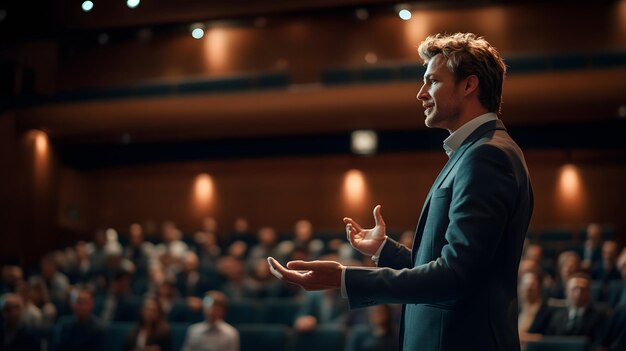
x=592 y=325
x=458 y=283
x=72 y=335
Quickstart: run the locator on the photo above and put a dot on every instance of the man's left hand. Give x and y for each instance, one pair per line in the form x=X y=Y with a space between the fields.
x=313 y=275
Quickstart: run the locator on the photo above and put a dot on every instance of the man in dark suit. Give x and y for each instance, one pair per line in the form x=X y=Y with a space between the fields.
x=81 y=331
x=458 y=282
x=580 y=317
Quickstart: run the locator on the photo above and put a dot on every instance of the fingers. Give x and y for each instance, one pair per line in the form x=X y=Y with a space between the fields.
x=378 y=217
x=350 y=221
x=312 y=265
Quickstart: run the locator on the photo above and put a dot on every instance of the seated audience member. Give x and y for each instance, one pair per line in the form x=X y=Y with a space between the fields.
x=209 y=227
x=56 y=282
x=607 y=270
x=80 y=270
x=15 y=335
x=105 y=241
x=381 y=335
x=152 y=333
x=621 y=265
x=592 y=249
x=81 y=331
x=31 y=314
x=535 y=252
x=172 y=250
x=119 y=304
x=568 y=264
x=11 y=275
x=190 y=281
x=213 y=333
x=138 y=251
x=303 y=240
x=40 y=298
x=241 y=232
x=614 y=338
x=209 y=252
x=320 y=307
x=267 y=246
x=580 y=317
x=534 y=314
x=238 y=284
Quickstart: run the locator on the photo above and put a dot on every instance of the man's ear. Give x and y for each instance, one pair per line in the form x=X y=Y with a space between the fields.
x=470 y=85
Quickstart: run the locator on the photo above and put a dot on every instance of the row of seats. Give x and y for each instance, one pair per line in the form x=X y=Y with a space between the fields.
x=258 y=337
x=329 y=337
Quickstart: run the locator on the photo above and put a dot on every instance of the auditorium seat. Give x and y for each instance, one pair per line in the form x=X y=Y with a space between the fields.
x=327 y=337
x=280 y=311
x=179 y=331
x=259 y=337
x=243 y=312
x=116 y=335
x=560 y=343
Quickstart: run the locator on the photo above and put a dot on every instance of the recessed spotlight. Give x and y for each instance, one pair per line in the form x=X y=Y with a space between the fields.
x=404 y=14
x=364 y=142
x=197 y=30
x=132 y=3
x=3 y=14
x=87 y=6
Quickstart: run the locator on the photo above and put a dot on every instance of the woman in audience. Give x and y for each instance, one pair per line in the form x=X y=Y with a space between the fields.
x=534 y=313
x=153 y=333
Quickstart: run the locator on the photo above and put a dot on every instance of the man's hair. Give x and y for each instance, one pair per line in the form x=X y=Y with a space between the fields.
x=466 y=55
x=580 y=275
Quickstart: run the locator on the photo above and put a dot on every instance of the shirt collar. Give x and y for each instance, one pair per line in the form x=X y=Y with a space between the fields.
x=456 y=138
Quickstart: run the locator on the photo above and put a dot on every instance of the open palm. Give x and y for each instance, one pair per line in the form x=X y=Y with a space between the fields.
x=366 y=241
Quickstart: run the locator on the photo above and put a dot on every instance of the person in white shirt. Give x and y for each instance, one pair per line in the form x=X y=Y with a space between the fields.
x=214 y=334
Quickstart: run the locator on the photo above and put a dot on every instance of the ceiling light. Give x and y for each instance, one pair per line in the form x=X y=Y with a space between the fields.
x=87 y=6
x=132 y=3
x=197 y=30
x=364 y=142
x=362 y=14
x=404 y=14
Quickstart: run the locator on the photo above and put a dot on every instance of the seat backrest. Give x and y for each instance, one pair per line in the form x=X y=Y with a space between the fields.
x=561 y=343
x=260 y=337
x=327 y=337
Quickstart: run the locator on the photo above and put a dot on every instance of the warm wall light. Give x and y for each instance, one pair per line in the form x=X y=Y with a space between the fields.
x=570 y=192
x=355 y=188
x=569 y=182
x=216 y=49
x=41 y=143
x=203 y=189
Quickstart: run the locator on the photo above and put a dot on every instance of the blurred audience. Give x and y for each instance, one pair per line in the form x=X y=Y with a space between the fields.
x=190 y=281
x=320 y=307
x=380 y=334
x=214 y=333
x=568 y=264
x=614 y=338
x=607 y=270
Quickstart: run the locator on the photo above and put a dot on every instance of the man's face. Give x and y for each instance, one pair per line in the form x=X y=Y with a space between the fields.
x=83 y=306
x=440 y=95
x=578 y=292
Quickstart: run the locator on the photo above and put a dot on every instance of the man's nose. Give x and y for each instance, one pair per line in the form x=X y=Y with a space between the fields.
x=421 y=94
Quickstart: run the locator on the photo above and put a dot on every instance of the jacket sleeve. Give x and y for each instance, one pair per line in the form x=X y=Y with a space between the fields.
x=482 y=198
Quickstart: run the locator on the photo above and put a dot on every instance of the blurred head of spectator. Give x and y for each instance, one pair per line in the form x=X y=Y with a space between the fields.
x=578 y=292
x=135 y=235
x=209 y=225
x=238 y=249
x=151 y=316
x=12 y=310
x=267 y=237
x=380 y=319
x=530 y=288
x=190 y=263
x=121 y=284
x=528 y=265
x=569 y=263
x=100 y=238
x=534 y=252
x=609 y=254
x=11 y=275
x=240 y=226
x=82 y=304
x=594 y=235
x=303 y=232
x=170 y=232
x=215 y=305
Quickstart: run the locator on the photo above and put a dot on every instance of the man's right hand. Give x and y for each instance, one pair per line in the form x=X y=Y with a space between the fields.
x=366 y=241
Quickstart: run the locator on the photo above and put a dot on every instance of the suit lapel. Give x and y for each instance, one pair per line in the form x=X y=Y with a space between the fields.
x=456 y=156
